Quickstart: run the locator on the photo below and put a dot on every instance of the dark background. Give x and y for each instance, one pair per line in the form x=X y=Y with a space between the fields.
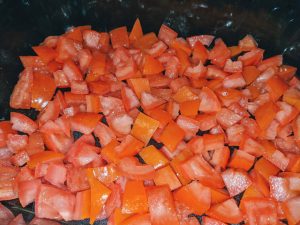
x=23 y=23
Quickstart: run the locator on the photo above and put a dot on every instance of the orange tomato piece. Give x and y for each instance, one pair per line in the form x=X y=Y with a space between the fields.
x=160 y=115
x=171 y=136
x=176 y=165
x=136 y=32
x=146 y=41
x=189 y=108
x=241 y=160
x=151 y=66
x=195 y=196
x=108 y=152
x=144 y=127
x=152 y=156
x=45 y=53
x=85 y=122
x=265 y=168
x=185 y=94
x=134 y=198
x=218 y=195
x=276 y=87
x=45 y=156
x=99 y=195
x=250 y=73
x=166 y=176
x=265 y=114
x=139 y=85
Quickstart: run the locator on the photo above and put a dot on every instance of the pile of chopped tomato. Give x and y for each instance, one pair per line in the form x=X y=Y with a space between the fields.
x=159 y=116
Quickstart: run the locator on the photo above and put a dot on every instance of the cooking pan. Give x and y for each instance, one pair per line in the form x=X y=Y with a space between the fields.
x=24 y=23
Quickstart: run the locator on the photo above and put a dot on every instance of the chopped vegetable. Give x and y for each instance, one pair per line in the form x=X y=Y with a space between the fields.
x=169 y=128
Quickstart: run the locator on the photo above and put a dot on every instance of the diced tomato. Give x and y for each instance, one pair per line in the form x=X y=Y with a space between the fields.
x=196 y=72
x=252 y=58
x=235 y=80
x=270 y=62
x=134 y=198
x=85 y=122
x=196 y=168
x=28 y=190
x=227 y=212
x=209 y=101
x=161 y=206
x=236 y=181
x=54 y=203
x=16 y=142
x=166 y=34
x=119 y=37
x=260 y=211
x=247 y=43
x=22 y=123
x=130 y=168
x=203 y=39
x=5 y=215
x=136 y=32
x=21 y=95
x=219 y=54
x=195 y=196
x=56 y=174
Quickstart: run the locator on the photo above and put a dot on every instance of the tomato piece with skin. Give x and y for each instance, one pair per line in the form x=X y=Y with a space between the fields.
x=161 y=206
x=166 y=176
x=85 y=122
x=22 y=123
x=132 y=169
x=195 y=196
x=99 y=195
x=136 y=32
x=5 y=215
x=134 y=198
x=219 y=54
x=21 y=95
x=167 y=34
x=260 y=211
x=119 y=37
x=144 y=127
x=196 y=168
x=45 y=156
x=209 y=101
x=227 y=212
x=171 y=136
x=52 y=201
x=28 y=190
x=42 y=91
x=236 y=181
x=56 y=174
x=290 y=209
x=210 y=221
